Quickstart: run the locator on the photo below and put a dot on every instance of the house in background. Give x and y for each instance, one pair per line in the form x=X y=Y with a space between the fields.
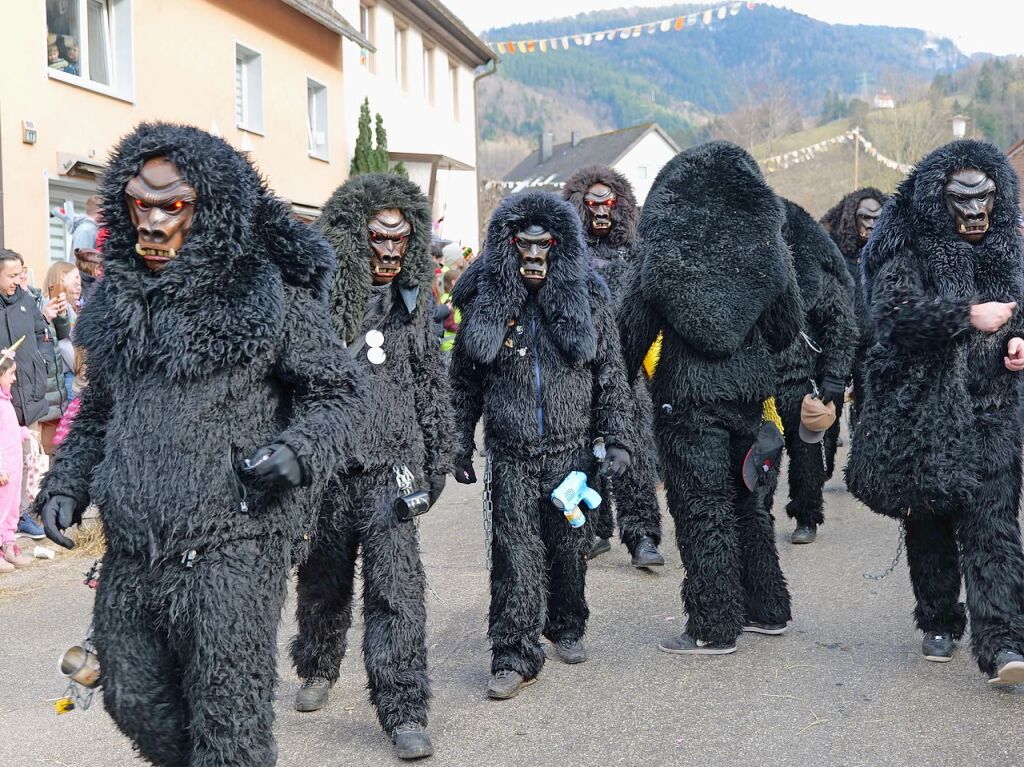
x=279 y=79
x=638 y=153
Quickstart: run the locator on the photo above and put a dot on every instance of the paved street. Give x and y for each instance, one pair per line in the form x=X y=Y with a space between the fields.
x=846 y=686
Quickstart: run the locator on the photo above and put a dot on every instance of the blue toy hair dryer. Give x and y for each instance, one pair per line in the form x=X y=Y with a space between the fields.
x=573 y=491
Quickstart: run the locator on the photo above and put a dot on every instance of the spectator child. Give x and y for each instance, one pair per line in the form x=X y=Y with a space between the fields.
x=12 y=435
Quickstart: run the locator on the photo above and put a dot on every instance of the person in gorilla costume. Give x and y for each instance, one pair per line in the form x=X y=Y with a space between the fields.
x=817 y=363
x=849 y=224
x=219 y=401
x=717 y=280
x=537 y=355
x=379 y=225
x=604 y=200
x=939 y=445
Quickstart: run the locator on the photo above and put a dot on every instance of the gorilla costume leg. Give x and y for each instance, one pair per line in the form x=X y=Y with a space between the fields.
x=806 y=471
x=142 y=679
x=935 y=573
x=324 y=588
x=831 y=442
x=394 y=611
x=766 y=595
x=990 y=547
x=518 y=584
x=635 y=492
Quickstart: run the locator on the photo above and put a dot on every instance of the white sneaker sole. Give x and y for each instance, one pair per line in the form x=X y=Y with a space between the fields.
x=1010 y=674
x=699 y=650
x=939 y=658
x=769 y=632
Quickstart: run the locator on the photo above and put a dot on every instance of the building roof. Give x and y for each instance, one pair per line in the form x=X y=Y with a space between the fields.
x=324 y=13
x=566 y=159
x=437 y=21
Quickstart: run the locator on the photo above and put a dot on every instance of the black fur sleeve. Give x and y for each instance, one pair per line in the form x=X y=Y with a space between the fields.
x=904 y=315
x=834 y=314
x=71 y=471
x=783 y=320
x=433 y=400
x=613 y=404
x=466 y=379
x=638 y=326
x=328 y=393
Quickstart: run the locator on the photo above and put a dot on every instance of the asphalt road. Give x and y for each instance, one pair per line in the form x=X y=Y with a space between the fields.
x=846 y=686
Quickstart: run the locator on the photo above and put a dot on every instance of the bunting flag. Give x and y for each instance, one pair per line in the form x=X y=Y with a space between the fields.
x=676 y=23
x=809 y=152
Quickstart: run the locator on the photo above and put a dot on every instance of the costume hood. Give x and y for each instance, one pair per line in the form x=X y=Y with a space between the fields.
x=491 y=292
x=711 y=231
x=916 y=218
x=343 y=223
x=814 y=253
x=221 y=301
x=627 y=212
x=841 y=220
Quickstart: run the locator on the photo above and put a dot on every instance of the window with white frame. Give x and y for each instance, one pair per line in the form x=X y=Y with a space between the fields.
x=366 y=30
x=90 y=40
x=453 y=76
x=428 y=72
x=66 y=206
x=316 y=118
x=248 y=89
x=401 y=39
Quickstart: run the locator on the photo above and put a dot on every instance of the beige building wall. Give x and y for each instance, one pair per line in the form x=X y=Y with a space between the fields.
x=183 y=70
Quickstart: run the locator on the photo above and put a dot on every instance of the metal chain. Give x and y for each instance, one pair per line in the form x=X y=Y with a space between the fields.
x=488 y=513
x=895 y=560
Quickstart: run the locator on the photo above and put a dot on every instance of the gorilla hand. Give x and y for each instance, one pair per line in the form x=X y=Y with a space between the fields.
x=58 y=515
x=616 y=462
x=275 y=465
x=463 y=472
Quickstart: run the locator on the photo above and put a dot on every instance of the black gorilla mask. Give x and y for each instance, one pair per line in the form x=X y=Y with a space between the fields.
x=534 y=243
x=867 y=216
x=970 y=195
x=600 y=200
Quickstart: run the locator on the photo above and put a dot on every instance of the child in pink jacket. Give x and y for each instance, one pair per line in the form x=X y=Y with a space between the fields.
x=12 y=434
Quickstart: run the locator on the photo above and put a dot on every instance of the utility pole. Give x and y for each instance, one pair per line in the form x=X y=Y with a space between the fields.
x=856 y=158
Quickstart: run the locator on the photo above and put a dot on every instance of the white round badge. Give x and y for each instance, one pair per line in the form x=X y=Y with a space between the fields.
x=376 y=355
x=374 y=338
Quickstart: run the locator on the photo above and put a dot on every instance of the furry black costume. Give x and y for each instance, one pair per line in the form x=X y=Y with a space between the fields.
x=407 y=424
x=613 y=257
x=823 y=353
x=939 y=444
x=545 y=372
x=227 y=348
x=841 y=223
x=717 y=280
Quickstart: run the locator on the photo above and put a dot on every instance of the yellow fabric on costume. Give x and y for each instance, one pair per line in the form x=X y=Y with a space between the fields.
x=770 y=414
x=652 y=357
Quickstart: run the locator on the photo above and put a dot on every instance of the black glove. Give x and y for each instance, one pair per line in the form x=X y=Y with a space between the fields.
x=437 y=482
x=463 y=472
x=275 y=465
x=832 y=390
x=58 y=515
x=616 y=461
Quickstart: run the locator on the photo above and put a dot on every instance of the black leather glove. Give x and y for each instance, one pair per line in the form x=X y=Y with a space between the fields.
x=58 y=515
x=832 y=390
x=437 y=482
x=275 y=465
x=616 y=461
x=463 y=472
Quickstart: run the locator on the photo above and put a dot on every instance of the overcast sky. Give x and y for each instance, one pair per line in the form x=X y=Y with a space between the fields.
x=993 y=26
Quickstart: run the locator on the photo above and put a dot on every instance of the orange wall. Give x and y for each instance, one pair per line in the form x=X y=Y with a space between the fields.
x=183 y=71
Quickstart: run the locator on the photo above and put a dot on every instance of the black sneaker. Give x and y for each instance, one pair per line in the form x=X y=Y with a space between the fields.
x=646 y=553
x=684 y=644
x=804 y=534
x=506 y=684
x=757 y=627
x=1009 y=669
x=571 y=651
x=600 y=546
x=313 y=694
x=937 y=648
x=412 y=741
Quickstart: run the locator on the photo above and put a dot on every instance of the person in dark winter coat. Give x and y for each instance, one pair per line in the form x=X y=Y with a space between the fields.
x=939 y=445
x=379 y=225
x=537 y=355
x=717 y=281
x=20 y=317
x=849 y=224
x=604 y=200
x=219 y=401
x=817 y=363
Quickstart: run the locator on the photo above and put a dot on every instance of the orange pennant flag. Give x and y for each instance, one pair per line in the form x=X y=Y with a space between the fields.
x=680 y=22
